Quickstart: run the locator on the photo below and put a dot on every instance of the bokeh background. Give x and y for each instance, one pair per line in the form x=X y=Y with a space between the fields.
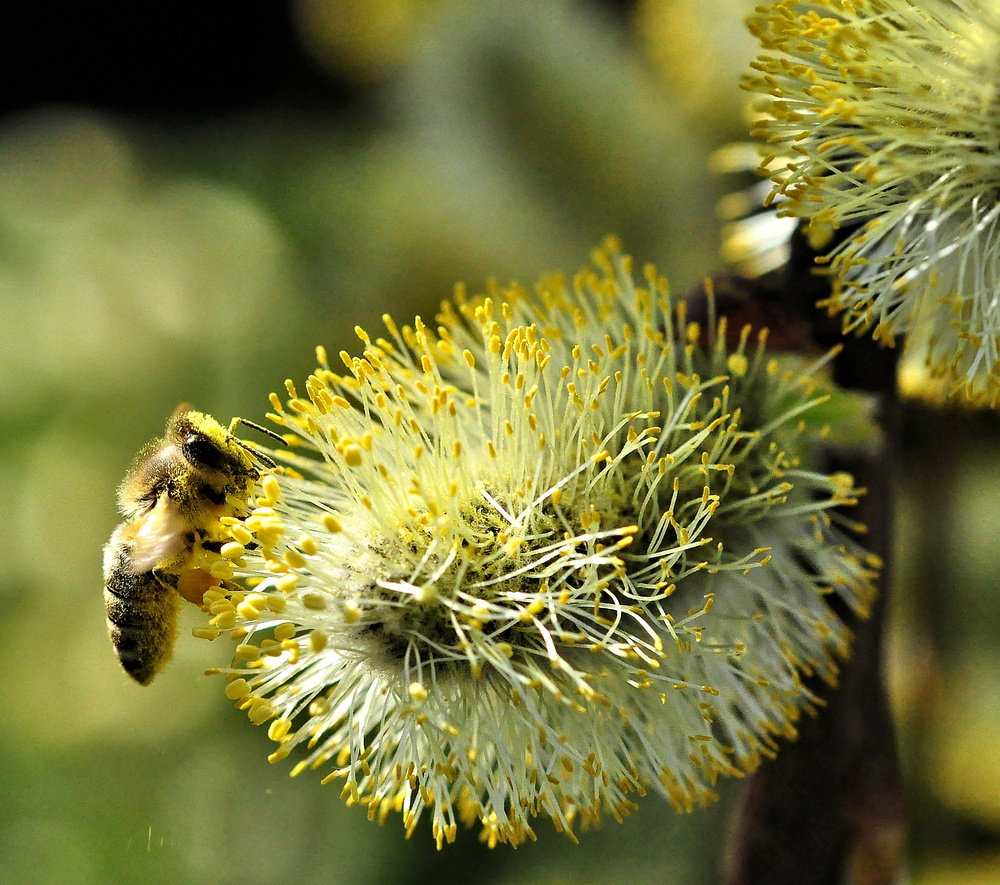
x=190 y=201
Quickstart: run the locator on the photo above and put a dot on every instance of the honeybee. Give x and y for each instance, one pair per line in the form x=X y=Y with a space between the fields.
x=172 y=498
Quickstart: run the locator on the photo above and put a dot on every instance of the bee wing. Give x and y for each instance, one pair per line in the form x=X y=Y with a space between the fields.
x=120 y=540
x=162 y=534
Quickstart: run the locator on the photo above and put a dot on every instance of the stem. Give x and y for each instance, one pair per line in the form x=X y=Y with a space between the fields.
x=828 y=810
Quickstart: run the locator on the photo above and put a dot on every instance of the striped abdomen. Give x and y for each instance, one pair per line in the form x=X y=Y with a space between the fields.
x=142 y=615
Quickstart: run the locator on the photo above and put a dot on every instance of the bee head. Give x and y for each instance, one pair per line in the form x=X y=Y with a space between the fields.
x=204 y=452
x=197 y=463
x=208 y=447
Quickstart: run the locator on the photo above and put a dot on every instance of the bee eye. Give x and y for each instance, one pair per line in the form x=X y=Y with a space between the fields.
x=202 y=452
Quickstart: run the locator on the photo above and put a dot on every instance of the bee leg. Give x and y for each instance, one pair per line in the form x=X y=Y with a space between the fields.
x=193 y=584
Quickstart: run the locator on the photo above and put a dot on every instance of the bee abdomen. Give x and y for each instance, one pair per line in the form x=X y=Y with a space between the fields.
x=142 y=621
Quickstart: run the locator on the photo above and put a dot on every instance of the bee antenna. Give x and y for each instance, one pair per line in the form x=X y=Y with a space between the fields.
x=266 y=431
x=257 y=453
x=266 y=459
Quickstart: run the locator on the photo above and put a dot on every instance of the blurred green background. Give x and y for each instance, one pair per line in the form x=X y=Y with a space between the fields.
x=197 y=249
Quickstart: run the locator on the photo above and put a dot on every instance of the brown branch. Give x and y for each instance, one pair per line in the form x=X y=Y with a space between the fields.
x=828 y=809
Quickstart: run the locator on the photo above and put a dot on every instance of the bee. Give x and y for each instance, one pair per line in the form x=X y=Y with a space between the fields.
x=173 y=497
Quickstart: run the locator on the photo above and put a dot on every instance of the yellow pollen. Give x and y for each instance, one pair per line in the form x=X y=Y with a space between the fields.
x=240 y=534
x=248 y=611
x=352 y=612
x=278 y=729
x=272 y=490
x=260 y=712
x=237 y=689
x=209 y=633
x=284 y=631
x=232 y=550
